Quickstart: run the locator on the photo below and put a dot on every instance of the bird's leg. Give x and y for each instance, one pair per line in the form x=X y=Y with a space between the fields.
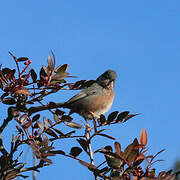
x=94 y=121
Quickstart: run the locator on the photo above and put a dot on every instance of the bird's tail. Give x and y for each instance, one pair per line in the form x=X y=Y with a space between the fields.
x=35 y=109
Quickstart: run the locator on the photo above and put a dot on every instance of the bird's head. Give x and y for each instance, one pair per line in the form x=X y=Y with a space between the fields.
x=107 y=78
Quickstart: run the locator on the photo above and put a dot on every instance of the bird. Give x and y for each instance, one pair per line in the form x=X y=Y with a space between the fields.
x=92 y=101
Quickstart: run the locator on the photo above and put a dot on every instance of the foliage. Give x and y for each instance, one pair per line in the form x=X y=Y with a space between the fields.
x=22 y=89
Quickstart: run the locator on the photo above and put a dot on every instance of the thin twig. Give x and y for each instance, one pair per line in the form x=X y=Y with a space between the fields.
x=15 y=59
x=34 y=164
x=101 y=164
x=66 y=137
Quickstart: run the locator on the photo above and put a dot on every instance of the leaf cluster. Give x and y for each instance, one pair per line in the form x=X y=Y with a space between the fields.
x=23 y=88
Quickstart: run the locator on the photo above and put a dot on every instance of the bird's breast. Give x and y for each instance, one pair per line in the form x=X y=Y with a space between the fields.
x=104 y=102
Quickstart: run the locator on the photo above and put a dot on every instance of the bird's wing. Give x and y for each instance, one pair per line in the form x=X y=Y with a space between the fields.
x=85 y=93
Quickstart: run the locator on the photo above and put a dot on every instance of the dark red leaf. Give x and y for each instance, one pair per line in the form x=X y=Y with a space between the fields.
x=118 y=148
x=75 y=151
x=10 y=75
x=27 y=124
x=143 y=137
x=137 y=162
x=46 y=140
x=101 y=120
x=74 y=125
x=43 y=72
x=61 y=69
x=54 y=59
x=105 y=135
x=129 y=116
x=103 y=170
x=44 y=155
x=9 y=101
x=56 y=118
x=112 y=117
x=40 y=125
x=59 y=132
x=59 y=112
x=128 y=150
x=83 y=143
x=23 y=118
x=4 y=95
x=66 y=118
x=50 y=122
x=47 y=160
x=6 y=71
x=33 y=75
x=70 y=133
x=46 y=124
x=50 y=63
x=46 y=148
x=58 y=152
x=51 y=133
x=36 y=117
x=22 y=59
x=121 y=116
x=52 y=104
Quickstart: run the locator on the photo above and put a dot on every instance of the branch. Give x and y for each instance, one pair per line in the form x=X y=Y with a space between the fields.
x=33 y=168
x=2 y=149
x=91 y=155
x=33 y=110
x=2 y=127
x=5 y=123
x=65 y=137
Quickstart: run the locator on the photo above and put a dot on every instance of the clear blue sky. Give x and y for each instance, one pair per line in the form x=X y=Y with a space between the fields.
x=138 y=39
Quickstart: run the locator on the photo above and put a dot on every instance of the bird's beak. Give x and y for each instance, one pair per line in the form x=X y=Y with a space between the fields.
x=111 y=82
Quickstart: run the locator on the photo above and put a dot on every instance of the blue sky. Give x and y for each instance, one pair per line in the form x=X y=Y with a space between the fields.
x=138 y=39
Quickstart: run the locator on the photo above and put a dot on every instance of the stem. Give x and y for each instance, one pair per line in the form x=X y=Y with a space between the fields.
x=91 y=155
x=24 y=70
x=90 y=149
